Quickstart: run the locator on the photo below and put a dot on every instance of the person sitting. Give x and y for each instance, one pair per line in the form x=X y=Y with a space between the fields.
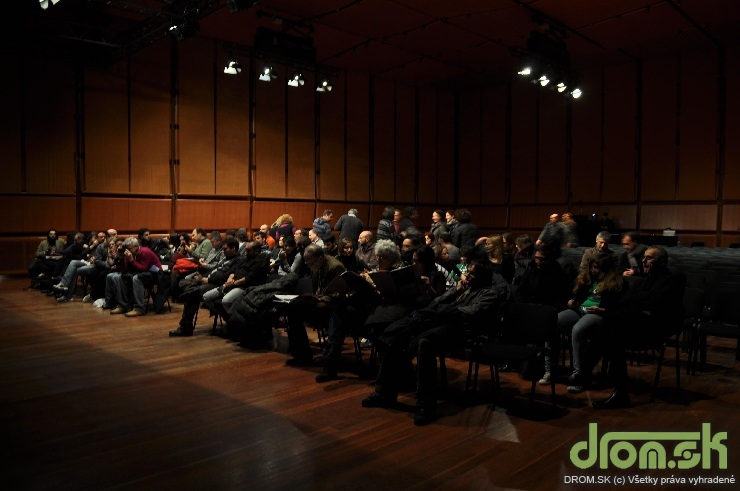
x=428 y=332
x=42 y=264
x=207 y=264
x=250 y=272
x=347 y=256
x=646 y=315
x=597 y=290
x=366 y=249
x=316 y=308
x=198 y=285
x=524 y=250
x=630 y=261
x=299 y=267
x=445 y=240
x=315 y=238
x=97 y=251
x=601 y=247
x=286 y=256
x=330 y=246
x=199 y=246
x=141 y=266
x=435 y=281
x=501 y=263
x=269 y=239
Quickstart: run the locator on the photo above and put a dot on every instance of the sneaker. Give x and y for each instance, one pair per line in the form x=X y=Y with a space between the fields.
x=64 y=299
x=118 y=310
x=575 y=389
x=133 y=313
x=60 y=287
x=546 y=379
x=87 y=299
x=366 y=343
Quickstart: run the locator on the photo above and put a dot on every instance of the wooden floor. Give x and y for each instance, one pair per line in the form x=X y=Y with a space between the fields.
x=94 y=401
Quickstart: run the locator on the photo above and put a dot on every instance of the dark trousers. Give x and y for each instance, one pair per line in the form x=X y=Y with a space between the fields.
x=304 y=310
x=192 y=304
x=624 y=331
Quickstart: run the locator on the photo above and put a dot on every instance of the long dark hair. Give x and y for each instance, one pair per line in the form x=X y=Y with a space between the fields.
x=609 y=278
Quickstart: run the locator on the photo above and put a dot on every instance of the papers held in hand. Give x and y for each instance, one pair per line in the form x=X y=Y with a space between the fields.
x=399 y=284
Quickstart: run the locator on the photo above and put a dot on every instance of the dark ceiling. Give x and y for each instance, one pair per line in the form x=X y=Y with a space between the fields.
x=416 y=42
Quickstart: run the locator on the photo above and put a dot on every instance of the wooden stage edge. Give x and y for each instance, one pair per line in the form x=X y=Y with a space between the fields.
x=95 y=401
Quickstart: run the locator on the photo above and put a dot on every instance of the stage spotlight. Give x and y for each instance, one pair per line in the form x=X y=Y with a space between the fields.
x=543 y=80
x=45 y=3
x=525 y=71
x=576 y=93
x=268 y=74
x=561 y=87
x=324 y=86
x=296 y=80
x=233 y=67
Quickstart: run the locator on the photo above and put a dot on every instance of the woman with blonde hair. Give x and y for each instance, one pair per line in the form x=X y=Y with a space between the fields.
x=284 y=226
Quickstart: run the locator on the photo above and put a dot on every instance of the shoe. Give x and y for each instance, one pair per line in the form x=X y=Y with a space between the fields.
x=424 y=415
x=326 y=375
x=181 y=333
x=87 y=299
x=52 y=293
x=299 y=361
x=134 y=313
x=60 y=287
x=575 y=389
x=118 y=310
x=64 y=299
x=378 y=400
x=618 y=400
x=366 y=343
x=546 y=379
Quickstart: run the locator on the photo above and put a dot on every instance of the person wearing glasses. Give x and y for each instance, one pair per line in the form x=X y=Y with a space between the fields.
x=646 y=315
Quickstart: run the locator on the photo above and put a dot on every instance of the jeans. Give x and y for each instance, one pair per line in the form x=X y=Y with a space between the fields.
x=586 y=329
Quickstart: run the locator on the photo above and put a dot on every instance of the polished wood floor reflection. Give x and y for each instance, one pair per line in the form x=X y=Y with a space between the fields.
x=95 y=401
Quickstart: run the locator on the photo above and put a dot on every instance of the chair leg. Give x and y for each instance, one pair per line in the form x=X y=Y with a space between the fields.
x=657 y=374
x=470 y=375
x=443 y=370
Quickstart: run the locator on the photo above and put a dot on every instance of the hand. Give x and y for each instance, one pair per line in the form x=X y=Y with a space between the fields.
x=202 y=262
x=629 y=272
x=572 y=303
x=595 y=310
x=128 y=255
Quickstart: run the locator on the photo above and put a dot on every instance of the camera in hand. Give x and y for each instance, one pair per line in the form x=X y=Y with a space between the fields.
x=121 y=251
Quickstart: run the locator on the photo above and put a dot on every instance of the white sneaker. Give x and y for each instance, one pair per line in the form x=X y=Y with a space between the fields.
x=60 y=287
x=546 y=379
x=87 y=298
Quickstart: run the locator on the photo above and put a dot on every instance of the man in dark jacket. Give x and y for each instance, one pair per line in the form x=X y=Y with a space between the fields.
x=645 y=317
x=430 y=331
x=349 y=226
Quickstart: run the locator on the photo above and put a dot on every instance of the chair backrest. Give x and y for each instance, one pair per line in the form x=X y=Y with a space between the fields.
x=693 y=303
x=529 y=323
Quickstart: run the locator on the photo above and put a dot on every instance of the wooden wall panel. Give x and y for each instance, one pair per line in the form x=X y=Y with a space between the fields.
x=659 y=130
x=106 y=131
x=212 y=214
x=232 y=133
x=10 y=125
x=552 y=185
x=730 y=187
x=384 y=129
x=270 y=159
x=493 y=152
x=40 y=214
x=126 y=214
x=619 y=133
x=406 y=159
x=470 y=135
x=445 y=147
x=357 y=133
x=12 y=222
x=301 y=136
x=269 y=211
x=334 y=173
x=586 y=158
x=731 y=218
x=526 y=216
x=698 y=128
x=49 y=129
x=623 y=216
x=492 y=218
x=679 y=217
x=428 y=181
x=196 y=118
x=524 y=143
x=231 y=214
x=150 y=121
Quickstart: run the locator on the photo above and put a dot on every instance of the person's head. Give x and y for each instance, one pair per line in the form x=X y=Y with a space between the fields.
x=408 y=245
x=602 y=240
x=79 y=238
x=230 y=246
x=52 y=237
x=100 y=236
x=288 y=245
x=554 y=218
x=410 y=213
x=230 y=233
x=523 y=241
x=174 y=239
x=330 y=242
x=314 y=257
x=464 y=216
x=241 y=235
x=302 y=243
x=629 y=241
x=397 y=215
x=328 y=214
x=216 y=239
x=601 y=264
x=281 y=241
x=444 y=255
x=654 y=259
x=425 y=257
x=544 y=255
x=386 y=252
x=428 y=238
x=184 y=239
x=132 y=244
x=253 y=248
x=297 y=234
x=260 y=237
x=265 y=228
x=366 y=237
x=566 y=217
x=313 y=236
x=450 y=215
x=445 y=238
x=143 y=235
x=283 y=219
x=352 y=211
x=438 y=216
x=508 y=243
x=479 y=275
x=467 y=254
x=346 y=246
x=198 y=235
x=388 y=212
x=112 y=232
x=494 y=246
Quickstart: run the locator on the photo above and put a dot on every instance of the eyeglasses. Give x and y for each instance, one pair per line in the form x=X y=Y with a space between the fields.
x=649 y=258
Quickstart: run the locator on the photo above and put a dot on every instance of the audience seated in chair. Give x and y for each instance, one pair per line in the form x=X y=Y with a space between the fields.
x=140 y=271
x=646 y=316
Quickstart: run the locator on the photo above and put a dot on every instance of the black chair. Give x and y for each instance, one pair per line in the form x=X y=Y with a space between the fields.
x=723 y=321
x=526 y=330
